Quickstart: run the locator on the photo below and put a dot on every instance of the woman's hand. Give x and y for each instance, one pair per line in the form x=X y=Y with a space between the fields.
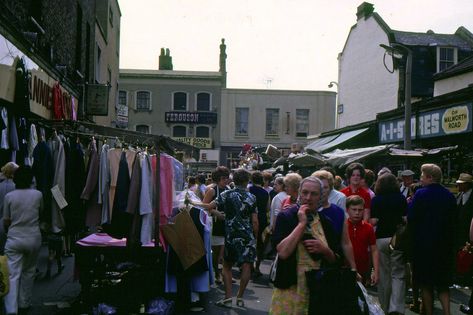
x=302 y=214
x=314 y=246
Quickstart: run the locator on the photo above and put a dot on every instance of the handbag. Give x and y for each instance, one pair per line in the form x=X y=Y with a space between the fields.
x=465 y=259
x=399 y=240
x=333 y=291
x=4 y=276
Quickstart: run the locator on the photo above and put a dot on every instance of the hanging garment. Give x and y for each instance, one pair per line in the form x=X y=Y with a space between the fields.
x=57 y=102
x=146 y=200
x=104 y=184
x=114 y=156
x=59 y=163
x=32 y=142
x=21 y=106
x=74 y=109
x=121 y=220
x=23 y=134
x=90 y=192
x=43 y=171
x=74 y=213
x=132 y=207
x=4 y=140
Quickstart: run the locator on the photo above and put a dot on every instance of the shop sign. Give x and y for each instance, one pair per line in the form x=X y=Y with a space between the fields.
x=41 y=96
x=441 y=122
x=191 y=117
x=97 y=99
x=203 y=143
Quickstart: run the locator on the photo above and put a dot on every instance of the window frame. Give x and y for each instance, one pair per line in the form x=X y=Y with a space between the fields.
x=187 y=101
x=237 y=134
x=139 y=125
x=277 y=133
x=126 y=98
x=197 y=99
x=184 y=126
x=203 y=126
x=307 y=110
x=150 y=101
x=439 y=61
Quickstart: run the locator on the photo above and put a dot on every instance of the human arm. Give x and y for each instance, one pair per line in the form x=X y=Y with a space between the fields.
x=288 y=244
x=375 y=258
x=255 y=224
x=208 y=203
x=347 y=247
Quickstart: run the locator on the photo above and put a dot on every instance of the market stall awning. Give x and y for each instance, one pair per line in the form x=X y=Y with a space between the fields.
x=420 y=152
x=330 y=142
x=307 y=160
x=341 y=158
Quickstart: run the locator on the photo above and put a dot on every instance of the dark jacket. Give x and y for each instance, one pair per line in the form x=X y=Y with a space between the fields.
x=286 y=222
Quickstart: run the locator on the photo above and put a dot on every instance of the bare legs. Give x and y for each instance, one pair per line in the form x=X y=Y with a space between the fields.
x=227 y=278
x=428 y=299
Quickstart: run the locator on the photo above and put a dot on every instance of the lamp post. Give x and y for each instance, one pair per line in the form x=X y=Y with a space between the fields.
x=402 y=50
x=330 y=85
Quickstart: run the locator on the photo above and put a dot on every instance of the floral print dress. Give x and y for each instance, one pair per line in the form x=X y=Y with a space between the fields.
x=295 y=299
x=240 y=243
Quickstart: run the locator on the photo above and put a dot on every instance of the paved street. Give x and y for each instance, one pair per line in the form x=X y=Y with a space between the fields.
x=56 y=295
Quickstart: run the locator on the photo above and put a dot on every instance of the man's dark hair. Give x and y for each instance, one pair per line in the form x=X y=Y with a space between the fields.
x=241 y=177
x=257 y=178
x=201 y=178
x=355 y=166
x=23 y=177
x=220 y=171
x=386 y=184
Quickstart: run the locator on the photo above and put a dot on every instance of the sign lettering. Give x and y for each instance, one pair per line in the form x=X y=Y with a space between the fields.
x=202 y=143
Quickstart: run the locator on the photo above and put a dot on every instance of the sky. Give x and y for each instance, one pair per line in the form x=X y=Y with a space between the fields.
x=271 y=44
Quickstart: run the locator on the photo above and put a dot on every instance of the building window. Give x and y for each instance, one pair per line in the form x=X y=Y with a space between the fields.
x=233 y=159
x=272 y=121
x=143 y=100
x=179 y=101
x=179 y=131
x=202 y=132
x=142 y=128
x=241 y=121
x=302 y=122
x=122 y=98
x=203 y=102
x=447 y=56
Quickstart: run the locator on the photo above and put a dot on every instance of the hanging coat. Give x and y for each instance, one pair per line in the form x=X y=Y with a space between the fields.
x=90 y=191
x=43 y=171
x=59 y=163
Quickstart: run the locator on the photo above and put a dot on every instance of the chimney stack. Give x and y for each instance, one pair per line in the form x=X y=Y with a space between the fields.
x=364 y=10
x=165 y=60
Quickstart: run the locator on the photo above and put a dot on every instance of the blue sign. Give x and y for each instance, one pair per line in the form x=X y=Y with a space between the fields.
x=441 y=122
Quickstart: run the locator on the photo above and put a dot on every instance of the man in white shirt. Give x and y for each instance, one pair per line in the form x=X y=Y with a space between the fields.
x=407 y=180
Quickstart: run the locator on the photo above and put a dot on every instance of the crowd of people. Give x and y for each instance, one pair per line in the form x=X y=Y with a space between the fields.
x=314 y=227
x=322 y=222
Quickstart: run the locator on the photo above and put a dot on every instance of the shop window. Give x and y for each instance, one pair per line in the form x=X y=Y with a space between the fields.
x=241 y=121
x=233 y=160
x=142 y=128
x=202 y=132
x=203 y=101
x=143 y=100
x=98 y=64
x=302 y=122
x=179 y=131
x=272 y=122
x=179 y=101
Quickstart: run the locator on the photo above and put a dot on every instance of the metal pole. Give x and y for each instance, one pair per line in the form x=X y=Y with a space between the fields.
x=407 y=101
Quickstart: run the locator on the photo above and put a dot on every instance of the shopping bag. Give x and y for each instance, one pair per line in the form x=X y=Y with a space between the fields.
x=465 y=259
x=4 y=276
x=369 y=305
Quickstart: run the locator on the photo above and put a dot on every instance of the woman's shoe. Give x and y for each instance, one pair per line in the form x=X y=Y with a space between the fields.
x=240 y=302
x=224 y=303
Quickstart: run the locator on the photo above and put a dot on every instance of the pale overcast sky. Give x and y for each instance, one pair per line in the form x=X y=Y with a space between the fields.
x=291 y=43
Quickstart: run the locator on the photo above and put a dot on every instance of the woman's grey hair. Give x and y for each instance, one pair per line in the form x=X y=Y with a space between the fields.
x=315 y=180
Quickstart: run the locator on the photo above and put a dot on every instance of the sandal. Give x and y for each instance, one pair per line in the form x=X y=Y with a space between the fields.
x=240 y=302
x=224 y=303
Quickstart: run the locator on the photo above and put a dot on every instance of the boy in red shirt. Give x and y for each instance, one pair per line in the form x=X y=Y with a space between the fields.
x=362 y=239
